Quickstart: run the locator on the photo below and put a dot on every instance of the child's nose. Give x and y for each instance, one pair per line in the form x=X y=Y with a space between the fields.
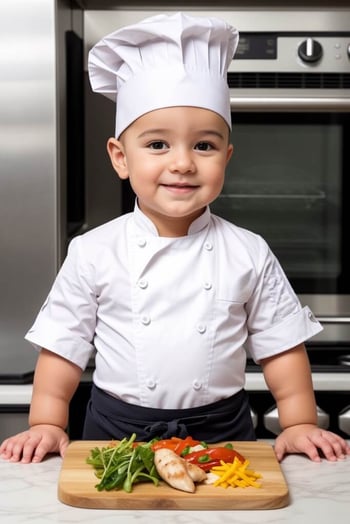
x=182 y=161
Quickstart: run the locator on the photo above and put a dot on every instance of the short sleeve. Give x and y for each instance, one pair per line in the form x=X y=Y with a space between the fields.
x=276 y=321
x=67 y=320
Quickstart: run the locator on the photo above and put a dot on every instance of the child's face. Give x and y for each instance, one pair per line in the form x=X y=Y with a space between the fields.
x=175 y=159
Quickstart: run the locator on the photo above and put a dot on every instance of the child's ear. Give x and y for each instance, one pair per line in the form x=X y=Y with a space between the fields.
x=229 y=153
x=117 y=155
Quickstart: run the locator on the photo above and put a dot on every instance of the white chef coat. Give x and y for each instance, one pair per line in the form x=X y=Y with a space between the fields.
x=170 y=319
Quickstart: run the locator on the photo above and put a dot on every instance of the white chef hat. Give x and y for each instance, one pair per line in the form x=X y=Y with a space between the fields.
x=164 y=61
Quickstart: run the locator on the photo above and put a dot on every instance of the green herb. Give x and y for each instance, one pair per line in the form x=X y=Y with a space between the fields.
x=186 y=451
x=229 y=445
x=203 y=458
x=123 y=465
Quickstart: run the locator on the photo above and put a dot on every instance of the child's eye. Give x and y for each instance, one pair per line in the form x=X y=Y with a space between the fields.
x=157 y=144
x=203 y=146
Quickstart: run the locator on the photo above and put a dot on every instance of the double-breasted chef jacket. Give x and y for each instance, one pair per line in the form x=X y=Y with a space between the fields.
x=171 y=319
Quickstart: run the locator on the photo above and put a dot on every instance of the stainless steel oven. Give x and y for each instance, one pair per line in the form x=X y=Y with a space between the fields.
x=288 y=179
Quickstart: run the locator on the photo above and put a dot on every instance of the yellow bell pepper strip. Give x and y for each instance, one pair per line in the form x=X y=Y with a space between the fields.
x=235 y=474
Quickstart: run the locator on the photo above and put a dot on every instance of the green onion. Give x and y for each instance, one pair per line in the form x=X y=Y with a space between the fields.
x=121 y=466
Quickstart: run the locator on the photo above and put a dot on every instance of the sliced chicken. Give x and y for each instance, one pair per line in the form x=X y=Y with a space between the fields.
x=195 y=472
x=176 y=471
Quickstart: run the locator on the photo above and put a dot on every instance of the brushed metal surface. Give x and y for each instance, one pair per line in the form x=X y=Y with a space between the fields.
x=99 y=23
x=344 y=420
x=28 y=171
x=263 y=100
x=271 y=420
x=333 y=311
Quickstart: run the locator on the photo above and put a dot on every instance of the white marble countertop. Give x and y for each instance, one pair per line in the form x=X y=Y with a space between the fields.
x=319 y=492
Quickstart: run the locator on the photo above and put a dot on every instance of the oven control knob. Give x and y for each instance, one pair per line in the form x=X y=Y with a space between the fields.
x=344 y=420
x=310 y=51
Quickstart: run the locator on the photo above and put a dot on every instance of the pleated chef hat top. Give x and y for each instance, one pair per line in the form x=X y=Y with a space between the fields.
x=164 y=61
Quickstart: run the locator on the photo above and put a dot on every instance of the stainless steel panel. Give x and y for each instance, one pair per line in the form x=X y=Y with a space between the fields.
x=333 y=311
x=28 y=168
x=263 y=100
x=12 y=423
x=103 y=199
x=271 y=420
x=344 y=420
x=335 y=54
x=254 y=418
x=98 y=23
x=328 y=305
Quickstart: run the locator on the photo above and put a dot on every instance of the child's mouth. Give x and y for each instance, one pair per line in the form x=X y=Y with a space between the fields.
x=180 y=188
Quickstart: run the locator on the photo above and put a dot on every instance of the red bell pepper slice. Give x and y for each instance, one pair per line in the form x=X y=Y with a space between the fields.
x=175 y=444
x=169 y=443
x=185 y=443
x=207 y=458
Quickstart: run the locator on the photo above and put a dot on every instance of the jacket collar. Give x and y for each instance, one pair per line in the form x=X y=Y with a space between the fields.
x=147 y=226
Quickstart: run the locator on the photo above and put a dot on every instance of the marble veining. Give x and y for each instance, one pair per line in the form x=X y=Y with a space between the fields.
x=319 y=493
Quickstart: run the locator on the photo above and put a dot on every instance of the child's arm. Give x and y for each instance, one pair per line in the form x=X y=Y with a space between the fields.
x=55 y=382
x=288 y=377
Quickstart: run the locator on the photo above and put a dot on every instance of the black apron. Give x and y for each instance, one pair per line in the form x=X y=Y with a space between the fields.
x=110 y=418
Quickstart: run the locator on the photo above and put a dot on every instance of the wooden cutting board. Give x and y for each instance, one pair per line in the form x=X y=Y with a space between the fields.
x=76 y=485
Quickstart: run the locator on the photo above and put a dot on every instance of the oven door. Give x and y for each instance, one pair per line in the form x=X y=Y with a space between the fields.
x=288 y=180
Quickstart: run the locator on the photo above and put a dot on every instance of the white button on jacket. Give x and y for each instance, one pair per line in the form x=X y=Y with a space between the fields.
x=182 y=311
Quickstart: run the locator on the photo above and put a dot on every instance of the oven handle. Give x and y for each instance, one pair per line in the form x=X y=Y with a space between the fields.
x=290 y=103
x=334 y=320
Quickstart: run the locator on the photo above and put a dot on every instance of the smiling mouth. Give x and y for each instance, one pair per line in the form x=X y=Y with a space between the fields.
x=180 y=187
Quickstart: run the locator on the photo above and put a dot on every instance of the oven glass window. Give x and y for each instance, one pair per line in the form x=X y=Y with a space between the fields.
x=285 y=181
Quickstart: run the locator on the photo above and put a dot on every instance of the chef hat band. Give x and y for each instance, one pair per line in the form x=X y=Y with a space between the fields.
x=164 y=61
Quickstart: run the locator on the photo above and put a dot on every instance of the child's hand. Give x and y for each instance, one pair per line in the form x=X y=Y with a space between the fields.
x=313 y=441
x=32 y=445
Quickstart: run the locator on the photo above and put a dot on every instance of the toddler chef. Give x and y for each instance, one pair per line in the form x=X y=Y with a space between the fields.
x=170 y=297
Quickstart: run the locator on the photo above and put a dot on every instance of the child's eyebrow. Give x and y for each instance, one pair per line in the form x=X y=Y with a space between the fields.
x=157 y=131
x=160 y=131
x=211 y=132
